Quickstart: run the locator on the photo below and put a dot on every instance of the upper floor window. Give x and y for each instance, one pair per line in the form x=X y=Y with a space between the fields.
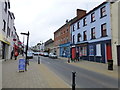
x=84 y=22
x=78 y=37
x=93 y=33
x=73 y=39
x=92 y=17
x=8 y=31
x=73 y=27
x=103 y=11
x=4 y=25
x=84 y=36
x=5 y=6
x=12 y=33
x=103 y=30
x=78 y=25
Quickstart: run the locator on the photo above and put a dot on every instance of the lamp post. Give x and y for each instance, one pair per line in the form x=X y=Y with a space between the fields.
x=26 y=48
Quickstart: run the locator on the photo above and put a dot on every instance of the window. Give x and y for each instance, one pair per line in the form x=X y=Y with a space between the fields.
x=84 y=36
x=93 y=33
x=4 y=25
x=103 y=11
x=73 y=27
x=78 y=25
x=84 y=22
x=8 y=31
x=92 y=17
x=91 y=50
x=78 y=37
x=12 y=33
x=103 y=30
x=73 y=39
x=98 y=50
x=84 y=51
x=5 y=6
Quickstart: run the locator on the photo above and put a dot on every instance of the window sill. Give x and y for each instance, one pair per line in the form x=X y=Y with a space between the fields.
x=103 y=16
x=93 y=21
x=93 y=38
x=84 y=25
x=104 y=36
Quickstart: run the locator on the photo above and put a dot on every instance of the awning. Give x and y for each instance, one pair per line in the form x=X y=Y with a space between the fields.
x=3 y=40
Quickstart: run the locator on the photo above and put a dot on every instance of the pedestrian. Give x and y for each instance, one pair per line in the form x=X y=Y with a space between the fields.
x=16 y=54
x=12 y=54
x=77 y=56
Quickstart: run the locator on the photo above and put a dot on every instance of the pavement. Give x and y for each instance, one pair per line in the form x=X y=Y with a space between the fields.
x=37 y=76
x=100 y=68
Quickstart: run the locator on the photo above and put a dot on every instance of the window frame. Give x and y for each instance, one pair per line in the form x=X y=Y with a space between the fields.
x=84 y=35
x=93 y=33
x=103 y=30
x=78 y=25
x=93 y=17
x=4 y=25
x=84 y=21
x=103 y=11
x=78 y=37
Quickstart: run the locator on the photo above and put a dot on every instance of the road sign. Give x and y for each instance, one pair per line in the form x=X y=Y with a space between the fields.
x=21 y=65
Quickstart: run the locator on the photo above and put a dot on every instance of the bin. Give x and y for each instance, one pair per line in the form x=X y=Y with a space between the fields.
x=110 y=64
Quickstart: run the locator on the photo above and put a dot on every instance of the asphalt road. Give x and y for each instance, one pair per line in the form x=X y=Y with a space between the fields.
x=84 y=78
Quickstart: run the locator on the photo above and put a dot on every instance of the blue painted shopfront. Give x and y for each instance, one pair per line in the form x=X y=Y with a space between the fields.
x=95 y=51
x=65 y=50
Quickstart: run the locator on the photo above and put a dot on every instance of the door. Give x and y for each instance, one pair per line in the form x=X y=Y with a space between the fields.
x=118 y=55
x=3 y=50
x=73 y=53
x=108 y=51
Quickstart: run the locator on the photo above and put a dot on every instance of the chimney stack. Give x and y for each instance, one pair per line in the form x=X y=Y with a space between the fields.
x=80 y=13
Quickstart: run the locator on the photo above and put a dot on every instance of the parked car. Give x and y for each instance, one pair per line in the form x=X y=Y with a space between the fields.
x=36 y=53
x=52 y=55
x=29 y=55
x=46 y=54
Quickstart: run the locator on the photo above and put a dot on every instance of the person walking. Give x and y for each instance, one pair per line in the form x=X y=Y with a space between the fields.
x=16 y=54
x=12 y=54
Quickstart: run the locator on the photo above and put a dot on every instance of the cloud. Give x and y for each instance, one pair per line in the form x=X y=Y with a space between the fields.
x=43 y=17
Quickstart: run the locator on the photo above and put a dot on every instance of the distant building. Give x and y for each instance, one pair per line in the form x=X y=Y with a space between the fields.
x=49 y=46
x=62 y=37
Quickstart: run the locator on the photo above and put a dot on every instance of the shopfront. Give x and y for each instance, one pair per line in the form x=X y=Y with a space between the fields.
x=65 y=50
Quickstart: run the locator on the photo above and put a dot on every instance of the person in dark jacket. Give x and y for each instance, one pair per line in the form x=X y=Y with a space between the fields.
x=12 y=54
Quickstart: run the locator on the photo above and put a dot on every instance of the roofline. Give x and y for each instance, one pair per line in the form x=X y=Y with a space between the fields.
x=90 y=12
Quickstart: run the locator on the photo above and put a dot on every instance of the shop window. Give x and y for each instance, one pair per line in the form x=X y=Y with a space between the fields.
x=98 y=50
x=84 y=51
x=91 y=50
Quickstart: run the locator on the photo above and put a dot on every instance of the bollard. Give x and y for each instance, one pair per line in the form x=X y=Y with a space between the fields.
x=68 y=60
x=38 y=60
x=73 y=80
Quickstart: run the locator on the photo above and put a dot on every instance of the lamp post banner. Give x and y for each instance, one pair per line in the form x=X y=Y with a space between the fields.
x=21 y=65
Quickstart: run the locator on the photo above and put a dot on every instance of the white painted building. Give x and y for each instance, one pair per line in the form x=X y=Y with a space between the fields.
x=115 y=18
x=7 y=30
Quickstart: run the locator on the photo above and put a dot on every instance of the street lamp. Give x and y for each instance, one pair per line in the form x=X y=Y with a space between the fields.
x=26 y=48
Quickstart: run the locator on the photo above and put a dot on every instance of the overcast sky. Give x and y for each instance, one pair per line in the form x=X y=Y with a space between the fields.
x=43 y=17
